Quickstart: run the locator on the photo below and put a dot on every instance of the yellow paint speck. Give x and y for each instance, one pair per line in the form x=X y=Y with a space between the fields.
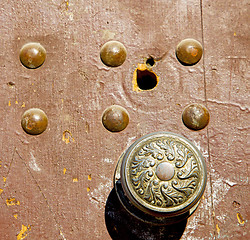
x=235 y=34
x=12 y=202
x=213 y=214
x=88 y=189
x=15 y=216
x=217 y=228
x=75 y=180
x=89 y=177
x=240 y=219
x=23 y=105
x=23 y=233
x=67 y=136
x=16 y=102
x=1 y=190
x=4 y=179
x=62 y=100
x=64 y=171
x=9 y=104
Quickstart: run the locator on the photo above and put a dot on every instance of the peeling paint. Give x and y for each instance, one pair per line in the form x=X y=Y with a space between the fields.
x=32 y=164
x=9 y=104
x=23 y=105
x=240 y=219
x=1 y=190
x=107 y=160
x=24 y=232
x=230 y=183
x=99 y=194
x=15 y=216
x=67 y=137
x=61 y=233
x=107 y=34
x=12 y=202
x=75 y=179
x=204 y=152
x=16 y=102
x=130 y=141
x=88 y=189
x=192 y=225
x=89 y=177
x=218 y=229
x=4 y=179
x=64 y=171
x=87 y=127
x=220 y=189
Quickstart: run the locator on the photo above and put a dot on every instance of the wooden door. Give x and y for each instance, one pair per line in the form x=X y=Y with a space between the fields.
x=58 y=185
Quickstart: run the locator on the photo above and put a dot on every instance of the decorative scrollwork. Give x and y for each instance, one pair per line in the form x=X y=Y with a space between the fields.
x=167 y=145
x=155 y=191
x=194 y=171
x=141 y=163
x=142 y=181
x=171 y=196
x=150 y=150
x=184 y=155
x=187 y=190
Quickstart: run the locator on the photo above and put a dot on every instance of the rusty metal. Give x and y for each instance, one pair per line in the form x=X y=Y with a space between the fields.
x=189 y=51
x=34 y=121
x=195 y=116
x=163 y=175
x=32 y=55
x=115 y=118
x=113 y=54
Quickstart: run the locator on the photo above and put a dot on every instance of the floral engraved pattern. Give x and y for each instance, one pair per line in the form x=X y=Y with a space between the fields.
x=160 y=193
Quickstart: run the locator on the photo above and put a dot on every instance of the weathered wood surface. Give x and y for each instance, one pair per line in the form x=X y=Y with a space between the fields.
x=61 y=186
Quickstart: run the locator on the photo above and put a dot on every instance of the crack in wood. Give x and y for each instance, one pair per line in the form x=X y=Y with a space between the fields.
x=43 y=195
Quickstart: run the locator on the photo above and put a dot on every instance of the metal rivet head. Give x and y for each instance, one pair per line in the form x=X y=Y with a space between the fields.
x=115 y=118
x=34 y=121
x=32 y=55
x=189 y=52
x=195 y=116
x=113 y=54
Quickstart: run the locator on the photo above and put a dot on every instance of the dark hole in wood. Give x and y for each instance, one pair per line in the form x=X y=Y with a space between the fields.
x=150 y=61
x=146 y=80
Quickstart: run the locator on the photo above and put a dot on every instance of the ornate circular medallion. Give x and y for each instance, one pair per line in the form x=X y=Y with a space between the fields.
x=163 y=174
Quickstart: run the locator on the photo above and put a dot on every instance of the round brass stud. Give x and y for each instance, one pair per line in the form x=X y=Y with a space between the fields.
x=113 y=54
x=189 y=52
x=34 y=121
x=195 y=116
x=164 y=171
x=32 y=55
x=115 y=118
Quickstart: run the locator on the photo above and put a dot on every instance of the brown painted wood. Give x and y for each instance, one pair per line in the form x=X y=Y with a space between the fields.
x=61 y=188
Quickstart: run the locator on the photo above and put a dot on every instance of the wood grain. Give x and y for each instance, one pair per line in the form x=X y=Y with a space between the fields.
x=63 y=177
